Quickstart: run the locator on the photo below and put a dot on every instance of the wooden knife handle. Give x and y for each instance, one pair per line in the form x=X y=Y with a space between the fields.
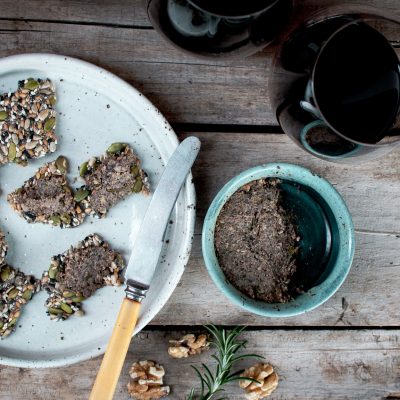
x=113 y=360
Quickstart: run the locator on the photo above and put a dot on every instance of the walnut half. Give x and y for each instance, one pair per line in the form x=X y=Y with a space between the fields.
x=265 y=375
x=187 y=346
x=147 y=381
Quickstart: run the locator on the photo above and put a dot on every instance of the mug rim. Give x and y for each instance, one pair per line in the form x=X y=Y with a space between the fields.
x=318 y=294
x=315 y=152
x=362 y=18
x=253 y=14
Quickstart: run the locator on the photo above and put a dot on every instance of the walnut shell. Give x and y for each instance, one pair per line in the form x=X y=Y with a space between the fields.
x=188 y=345
x=147 y=380
x=267 y=381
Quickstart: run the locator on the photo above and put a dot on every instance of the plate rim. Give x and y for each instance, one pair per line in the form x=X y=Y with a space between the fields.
x=42 y=59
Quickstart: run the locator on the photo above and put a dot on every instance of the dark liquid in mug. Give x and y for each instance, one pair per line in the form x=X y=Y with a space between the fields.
x=232 y=8
x=218 y=27
x=357 y=83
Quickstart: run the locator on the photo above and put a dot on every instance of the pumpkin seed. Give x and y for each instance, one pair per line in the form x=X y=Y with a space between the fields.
x=66 y=219
x=49 y=124
x=5 y=273
x=1 y=325
x=31 y=84
x=135 y=170
x=55 y=219
x=81 y=194
x=53 y=271
x=116 y=148
x=137 y=187
x=27 y=295
x=65 y=307
x=120 y=260
x=12 y=322
x=3 y=115
x=62 y=164
x=67 y=294
x=55 y=311
x=78 y=299
x=83 y=169
x=13 y=293
x=52 y=100
x=12 y=151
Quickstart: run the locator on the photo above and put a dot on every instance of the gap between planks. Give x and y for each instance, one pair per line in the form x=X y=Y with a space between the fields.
x=226 y=128
x=72 y=22
x=312 y=366
x=126 y=13
x=265 y=328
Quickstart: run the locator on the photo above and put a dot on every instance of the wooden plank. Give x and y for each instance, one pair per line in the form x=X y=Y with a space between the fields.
x=131 y=12
x=118 y=12
x=370 y=190
x=369 y=297
x=184 y=89
x=312 y=365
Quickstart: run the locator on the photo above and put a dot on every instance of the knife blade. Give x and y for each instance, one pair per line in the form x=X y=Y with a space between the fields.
x=142 y=265
x=149 y=241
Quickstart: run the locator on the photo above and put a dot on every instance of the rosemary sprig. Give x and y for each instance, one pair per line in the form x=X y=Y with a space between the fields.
x=227 y=347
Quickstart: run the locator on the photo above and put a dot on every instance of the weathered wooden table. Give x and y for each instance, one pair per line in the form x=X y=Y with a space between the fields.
x=346 y=349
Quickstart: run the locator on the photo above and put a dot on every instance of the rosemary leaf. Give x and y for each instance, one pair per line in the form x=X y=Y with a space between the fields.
x=227 y=346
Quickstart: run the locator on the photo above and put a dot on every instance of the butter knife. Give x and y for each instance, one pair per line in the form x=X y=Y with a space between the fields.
x=142 y=265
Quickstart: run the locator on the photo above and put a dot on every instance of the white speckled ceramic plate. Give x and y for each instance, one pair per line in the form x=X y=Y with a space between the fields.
x=95 y=108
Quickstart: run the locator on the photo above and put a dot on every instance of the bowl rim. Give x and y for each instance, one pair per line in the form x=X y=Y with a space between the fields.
x=317 y=294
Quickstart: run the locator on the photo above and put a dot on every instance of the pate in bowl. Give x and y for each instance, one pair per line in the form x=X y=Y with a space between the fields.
x=325 y=240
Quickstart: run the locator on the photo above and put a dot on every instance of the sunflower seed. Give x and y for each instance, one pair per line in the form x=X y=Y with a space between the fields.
x=43 y=115
x=31 y=145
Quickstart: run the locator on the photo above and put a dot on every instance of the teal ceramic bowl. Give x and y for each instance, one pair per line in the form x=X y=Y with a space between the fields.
x=324 y=225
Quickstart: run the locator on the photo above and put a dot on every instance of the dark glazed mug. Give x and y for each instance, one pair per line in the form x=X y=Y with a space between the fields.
x=336 y=85
x=219 y=28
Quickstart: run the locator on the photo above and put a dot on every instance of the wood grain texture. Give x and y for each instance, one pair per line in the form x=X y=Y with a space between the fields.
x=369 y=296
x=130 y=12
x=371 y=190
x=183 y=88
x=186 y=89
x=312 y=365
